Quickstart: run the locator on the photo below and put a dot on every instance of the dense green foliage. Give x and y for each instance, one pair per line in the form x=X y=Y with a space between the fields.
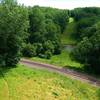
x=88 y=33
x=12 y=31
x=80 y=13
x=38 y=28
x=37 y=31
x=46 y=25
x=88 y=50
x=85 y=18
x=29 y=50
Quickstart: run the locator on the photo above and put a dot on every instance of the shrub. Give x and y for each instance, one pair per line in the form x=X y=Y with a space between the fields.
x=29 y=50
x=42 y=55
x=48 y=46
x=48 y=54
x=2 y=61
x=88 y=52
x=12 y=60
x=39 y=49
x=57 y=47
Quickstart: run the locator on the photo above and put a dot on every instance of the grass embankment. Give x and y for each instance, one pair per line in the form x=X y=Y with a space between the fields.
x=62 y=60
x=22 y=83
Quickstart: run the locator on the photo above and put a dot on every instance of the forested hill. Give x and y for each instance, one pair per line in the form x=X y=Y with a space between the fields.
x=88 y=34
x=45 y=28
x=29 y=31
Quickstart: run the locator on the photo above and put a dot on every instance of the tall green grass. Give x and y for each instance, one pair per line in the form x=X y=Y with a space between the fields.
x=62 y=60
x=22 y=83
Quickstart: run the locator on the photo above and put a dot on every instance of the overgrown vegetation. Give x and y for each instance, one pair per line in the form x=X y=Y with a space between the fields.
x=32 y=31
x=46 y=25
x=61 y=60
x=12 y=31
x=42 y=32
x=88 y=34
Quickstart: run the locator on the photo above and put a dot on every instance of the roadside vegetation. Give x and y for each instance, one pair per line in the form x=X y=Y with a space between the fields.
x=87 y=51
x=61 y=60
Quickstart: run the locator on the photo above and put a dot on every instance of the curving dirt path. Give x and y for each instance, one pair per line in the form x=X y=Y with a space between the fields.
x=65 y=71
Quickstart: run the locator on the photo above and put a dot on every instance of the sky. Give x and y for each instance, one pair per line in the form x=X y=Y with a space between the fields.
x=62 y=4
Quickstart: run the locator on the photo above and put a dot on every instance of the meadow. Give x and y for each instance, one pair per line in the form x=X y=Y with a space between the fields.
x=22 y=83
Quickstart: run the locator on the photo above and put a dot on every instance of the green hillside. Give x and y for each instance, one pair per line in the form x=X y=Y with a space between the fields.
x=68 y=35
x=22 y=83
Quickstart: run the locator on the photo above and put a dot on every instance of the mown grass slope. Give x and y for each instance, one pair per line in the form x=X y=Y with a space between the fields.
x=22 y=83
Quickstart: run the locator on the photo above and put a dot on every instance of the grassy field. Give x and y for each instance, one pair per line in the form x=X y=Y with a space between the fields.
x=62 y=60
x=22 y=83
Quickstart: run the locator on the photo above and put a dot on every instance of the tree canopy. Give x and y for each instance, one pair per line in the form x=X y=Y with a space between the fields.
x=12 y=31
x=29 y=31
x=88 y=33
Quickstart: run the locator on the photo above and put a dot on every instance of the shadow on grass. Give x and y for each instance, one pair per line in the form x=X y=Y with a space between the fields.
x=85 y=70
x=4 y=70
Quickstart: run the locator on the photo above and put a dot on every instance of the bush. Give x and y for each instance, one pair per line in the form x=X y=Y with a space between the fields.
x=29 y=50
x=42 y=55
x=82 y=25
x=48 y=46
x=57 y=47
x=12 y=60
x=88 y=52
x=48 y=54
x=2 y=61
x=39 y=49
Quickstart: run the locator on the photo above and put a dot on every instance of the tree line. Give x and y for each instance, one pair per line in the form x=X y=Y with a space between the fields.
x=88 y=34
x=36 y=31
x=29 y=31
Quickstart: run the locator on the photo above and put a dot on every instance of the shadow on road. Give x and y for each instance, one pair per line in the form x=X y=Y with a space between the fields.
x=85 y=70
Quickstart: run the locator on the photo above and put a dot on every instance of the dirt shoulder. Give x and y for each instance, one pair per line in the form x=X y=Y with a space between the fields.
x=65 y=71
